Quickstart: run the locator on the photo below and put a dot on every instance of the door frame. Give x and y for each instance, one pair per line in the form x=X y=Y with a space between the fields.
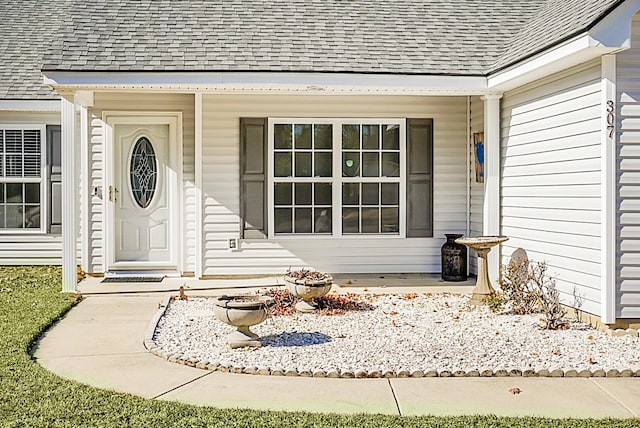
x=174 y=120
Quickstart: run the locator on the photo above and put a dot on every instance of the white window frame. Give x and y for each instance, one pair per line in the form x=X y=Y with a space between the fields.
x=44 y=202
x=337 y=179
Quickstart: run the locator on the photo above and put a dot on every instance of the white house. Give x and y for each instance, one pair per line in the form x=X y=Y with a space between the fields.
x=208 y=138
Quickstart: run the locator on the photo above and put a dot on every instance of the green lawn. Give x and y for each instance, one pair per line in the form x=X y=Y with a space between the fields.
x=30 y=301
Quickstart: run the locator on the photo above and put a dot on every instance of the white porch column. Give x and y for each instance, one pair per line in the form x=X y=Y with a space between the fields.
x=198 y=178
x=491 y=207
x=69 y=252
x=608 y=231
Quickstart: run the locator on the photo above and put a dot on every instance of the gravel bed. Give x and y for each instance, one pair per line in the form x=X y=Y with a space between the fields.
x=401 y=336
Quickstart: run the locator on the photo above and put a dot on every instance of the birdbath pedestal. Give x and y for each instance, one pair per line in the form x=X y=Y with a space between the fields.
x=482 y=245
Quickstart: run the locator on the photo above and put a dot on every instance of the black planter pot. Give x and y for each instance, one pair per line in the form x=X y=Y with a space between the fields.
x=454 y=259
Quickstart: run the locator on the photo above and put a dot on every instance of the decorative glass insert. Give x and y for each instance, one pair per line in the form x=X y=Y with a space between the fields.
x=144 y=172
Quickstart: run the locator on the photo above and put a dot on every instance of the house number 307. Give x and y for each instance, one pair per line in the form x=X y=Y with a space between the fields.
x=611 y=119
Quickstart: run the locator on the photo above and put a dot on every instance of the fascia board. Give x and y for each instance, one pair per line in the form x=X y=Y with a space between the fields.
x=30 y=105
x=266 y=82
x=576 y=51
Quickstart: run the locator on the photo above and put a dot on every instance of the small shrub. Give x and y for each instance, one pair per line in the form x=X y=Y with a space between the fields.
x=495 y=301
x=527 y=289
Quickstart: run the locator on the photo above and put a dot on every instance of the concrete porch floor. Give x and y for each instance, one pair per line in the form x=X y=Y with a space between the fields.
x=356 y=283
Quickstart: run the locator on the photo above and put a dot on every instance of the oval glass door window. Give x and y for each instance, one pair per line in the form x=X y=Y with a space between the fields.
x=144 y=172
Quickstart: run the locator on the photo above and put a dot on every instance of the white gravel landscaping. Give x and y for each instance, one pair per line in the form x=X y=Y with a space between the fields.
x=427 y=335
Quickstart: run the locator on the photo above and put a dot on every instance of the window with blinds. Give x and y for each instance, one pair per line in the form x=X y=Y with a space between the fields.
x=22 y=179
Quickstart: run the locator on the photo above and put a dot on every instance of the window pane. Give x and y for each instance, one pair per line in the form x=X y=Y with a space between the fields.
x=350 y=220
x=323 y=138
x=282 y=194
x=390 y=193
x=302 y=136
x=391 y=137
x=303 y=220
x=370 y=164
x=322 y=164
x=350 y=164
x=31 y=165
x=370 y=138
x=282 y=220
x=32 y=193
x=370 y=194
x=282 y=136
x=32 y=141
x=32 y=216
x=14 y=216
x=13 y=141
x=351 y=193
x=351 y=137
x=14 y=166
x=322 y=220
x=303 y=193
x=282 y=164
x=391 y=164
x=322 y=195
x=370 y=220
x=303 y=164
x=14 y=192
x=1 y=193
x=390 y=220
x=2 y=226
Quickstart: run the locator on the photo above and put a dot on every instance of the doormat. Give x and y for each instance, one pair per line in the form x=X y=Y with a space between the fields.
x=133 y=279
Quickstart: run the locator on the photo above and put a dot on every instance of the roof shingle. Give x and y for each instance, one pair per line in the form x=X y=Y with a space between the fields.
x=441 y=37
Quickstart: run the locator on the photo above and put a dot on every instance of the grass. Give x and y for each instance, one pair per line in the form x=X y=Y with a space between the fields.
x=30 y=396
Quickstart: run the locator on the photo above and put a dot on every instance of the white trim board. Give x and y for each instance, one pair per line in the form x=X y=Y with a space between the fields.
x=30 y=105
x=271 y=82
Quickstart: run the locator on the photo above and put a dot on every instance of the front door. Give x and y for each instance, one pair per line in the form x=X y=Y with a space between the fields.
x=143 y=198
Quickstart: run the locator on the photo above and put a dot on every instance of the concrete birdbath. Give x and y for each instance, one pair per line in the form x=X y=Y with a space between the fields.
x=482 y=245
x=242 y=312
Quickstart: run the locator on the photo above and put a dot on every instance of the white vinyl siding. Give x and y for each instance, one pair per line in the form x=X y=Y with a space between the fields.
x=142 y=103
x=476 y=190
x=550 y=168
x=353 y=254
x=21 y=248
x=628 y=197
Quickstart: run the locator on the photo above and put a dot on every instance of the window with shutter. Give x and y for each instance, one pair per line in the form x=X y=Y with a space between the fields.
x=336 y=177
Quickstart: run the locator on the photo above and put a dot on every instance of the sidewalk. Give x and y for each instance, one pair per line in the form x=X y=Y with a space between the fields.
x=100 y=343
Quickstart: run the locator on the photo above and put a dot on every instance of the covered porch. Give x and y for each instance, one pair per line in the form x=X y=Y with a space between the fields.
x=211 y=230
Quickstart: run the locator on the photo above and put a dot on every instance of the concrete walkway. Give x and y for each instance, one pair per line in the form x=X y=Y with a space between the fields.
x=100 y=343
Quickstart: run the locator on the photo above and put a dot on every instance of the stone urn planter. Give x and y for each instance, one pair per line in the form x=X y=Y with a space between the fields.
x=308 y=285
x=242 y=312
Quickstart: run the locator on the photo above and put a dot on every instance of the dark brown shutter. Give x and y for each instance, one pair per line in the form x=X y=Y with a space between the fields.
x=419 y=178
x=54 y=179
x=253 y=178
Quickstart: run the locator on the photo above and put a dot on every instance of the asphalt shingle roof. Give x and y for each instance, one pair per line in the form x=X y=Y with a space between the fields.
x=448 y=37
x=27 y=28
x=554 y=21
x=361 y=36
